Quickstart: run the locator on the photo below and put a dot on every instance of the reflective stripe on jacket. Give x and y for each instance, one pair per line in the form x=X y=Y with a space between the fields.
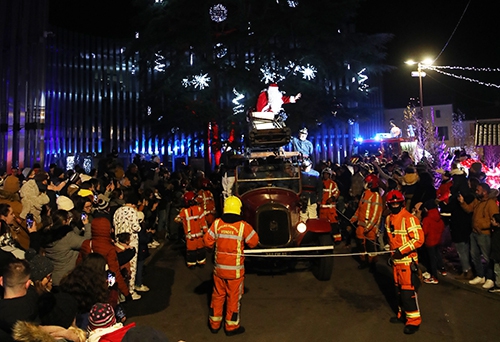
x=406 y=234
x=229 y=240
x=193 y=221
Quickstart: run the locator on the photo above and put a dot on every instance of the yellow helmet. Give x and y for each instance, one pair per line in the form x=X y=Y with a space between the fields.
x=232 y=205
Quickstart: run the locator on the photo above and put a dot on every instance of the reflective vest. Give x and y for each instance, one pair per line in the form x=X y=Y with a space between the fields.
x=230 y=240
x=193 y=221
x=206 y=200
x=369 y=212
x=406 y=234
x=327 y=209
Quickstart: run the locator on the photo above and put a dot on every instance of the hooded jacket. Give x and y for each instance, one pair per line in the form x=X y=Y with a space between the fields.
x=433 y=226
x=101 y=243
x=33 y=200
x=482 y=212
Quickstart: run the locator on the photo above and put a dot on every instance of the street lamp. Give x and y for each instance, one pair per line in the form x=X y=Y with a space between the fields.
x=420 y=65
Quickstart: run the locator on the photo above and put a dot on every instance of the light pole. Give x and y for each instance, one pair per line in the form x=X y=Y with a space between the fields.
x=420 y=74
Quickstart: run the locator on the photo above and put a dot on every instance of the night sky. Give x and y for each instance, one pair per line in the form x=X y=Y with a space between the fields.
x=421 y=28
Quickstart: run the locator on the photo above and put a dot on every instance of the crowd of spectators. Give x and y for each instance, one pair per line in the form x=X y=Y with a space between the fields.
x=83 y=236
x=93 y=230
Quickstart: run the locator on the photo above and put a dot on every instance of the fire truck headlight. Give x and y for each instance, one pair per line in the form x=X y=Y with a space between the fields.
x=301 y=227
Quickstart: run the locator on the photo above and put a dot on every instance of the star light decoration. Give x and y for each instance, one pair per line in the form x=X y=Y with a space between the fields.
x=200 y=81
x=291 y=3
x=218 y=13
x=238 y=107
x=308 y=72
x=159 y=63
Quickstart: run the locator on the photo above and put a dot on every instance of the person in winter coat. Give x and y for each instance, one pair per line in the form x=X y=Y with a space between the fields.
x=102 y=243
x=63 y=243
x=460 y=221
x=195 y=226
x=229 y=234
x=433 y=226
x=425 y=189
x=33 y=198
x=483 y=208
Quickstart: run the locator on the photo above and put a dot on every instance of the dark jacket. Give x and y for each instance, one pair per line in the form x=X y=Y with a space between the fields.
x=460 y=220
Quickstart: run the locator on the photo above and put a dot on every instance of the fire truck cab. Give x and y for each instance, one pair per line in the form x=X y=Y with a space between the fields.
x=383 y=146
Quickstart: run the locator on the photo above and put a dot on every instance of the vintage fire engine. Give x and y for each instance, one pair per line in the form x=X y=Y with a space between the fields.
x=268 y=182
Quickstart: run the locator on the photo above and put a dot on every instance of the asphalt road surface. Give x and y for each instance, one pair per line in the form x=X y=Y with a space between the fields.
x=355 y=305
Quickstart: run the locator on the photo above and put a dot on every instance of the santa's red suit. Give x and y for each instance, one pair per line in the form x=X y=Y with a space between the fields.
x=272 y=99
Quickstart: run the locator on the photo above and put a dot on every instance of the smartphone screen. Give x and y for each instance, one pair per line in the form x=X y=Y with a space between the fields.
x=84 y=216
x=29 y=220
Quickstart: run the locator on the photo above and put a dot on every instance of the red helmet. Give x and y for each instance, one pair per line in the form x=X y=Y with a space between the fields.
x=372 y=181
x=395 y=196
x=189 y=197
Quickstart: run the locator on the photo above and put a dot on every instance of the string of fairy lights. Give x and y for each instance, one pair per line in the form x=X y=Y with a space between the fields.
x=440 y=69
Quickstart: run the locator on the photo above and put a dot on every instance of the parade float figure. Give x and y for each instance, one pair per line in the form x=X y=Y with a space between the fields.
x=270 y=113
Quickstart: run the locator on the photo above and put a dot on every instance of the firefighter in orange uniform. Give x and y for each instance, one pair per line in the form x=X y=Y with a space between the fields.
x=195 y=226
x=229 y=234
x=327 y=207
x=405 y=235
x=206 y=200
x=368 y=217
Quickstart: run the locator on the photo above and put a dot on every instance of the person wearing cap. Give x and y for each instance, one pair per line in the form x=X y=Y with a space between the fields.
x=302 y=145
x=327 y=207
x=229 y=234
x=41 y=271
x=193 y=220
x=103 y=326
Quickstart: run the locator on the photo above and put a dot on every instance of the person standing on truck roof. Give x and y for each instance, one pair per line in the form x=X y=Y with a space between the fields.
x=395 y=130
x=229 y=234
x=302 y=145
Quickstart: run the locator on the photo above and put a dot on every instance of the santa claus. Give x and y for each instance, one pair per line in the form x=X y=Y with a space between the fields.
x=272 y=99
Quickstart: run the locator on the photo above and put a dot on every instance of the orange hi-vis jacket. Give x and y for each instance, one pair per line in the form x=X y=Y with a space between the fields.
x=193 y=221
x=368 y=215
x=327 y=208
x=206 y=200
x=230 y=240
x=406 y=234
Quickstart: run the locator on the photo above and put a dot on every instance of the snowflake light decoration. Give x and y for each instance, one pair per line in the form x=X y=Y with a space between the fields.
x=159 y=63
x=292 y=68
x=218 y=13
x=308 y=72
x=220 y=50
x=238 y=107
x=185 y=82
x=267 y=74
x=200 y=81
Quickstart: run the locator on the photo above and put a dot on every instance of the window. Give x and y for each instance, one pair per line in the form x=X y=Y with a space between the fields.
x=443 y=132
x=438 y=113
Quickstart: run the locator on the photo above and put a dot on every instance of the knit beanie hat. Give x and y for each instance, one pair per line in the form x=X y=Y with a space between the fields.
x=102 y=202
x=11 y=184
x=64 y=203
x=101 y=316
x=40 y=265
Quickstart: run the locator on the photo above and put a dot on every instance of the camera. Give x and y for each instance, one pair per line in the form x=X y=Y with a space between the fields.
x=29 y=220
x=111 y=278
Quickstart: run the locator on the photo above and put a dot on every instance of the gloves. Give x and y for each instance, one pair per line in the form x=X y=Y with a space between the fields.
x=397 y=254
x=188 y=236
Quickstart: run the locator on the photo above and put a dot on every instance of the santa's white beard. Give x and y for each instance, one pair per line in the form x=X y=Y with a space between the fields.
x=275 y=100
